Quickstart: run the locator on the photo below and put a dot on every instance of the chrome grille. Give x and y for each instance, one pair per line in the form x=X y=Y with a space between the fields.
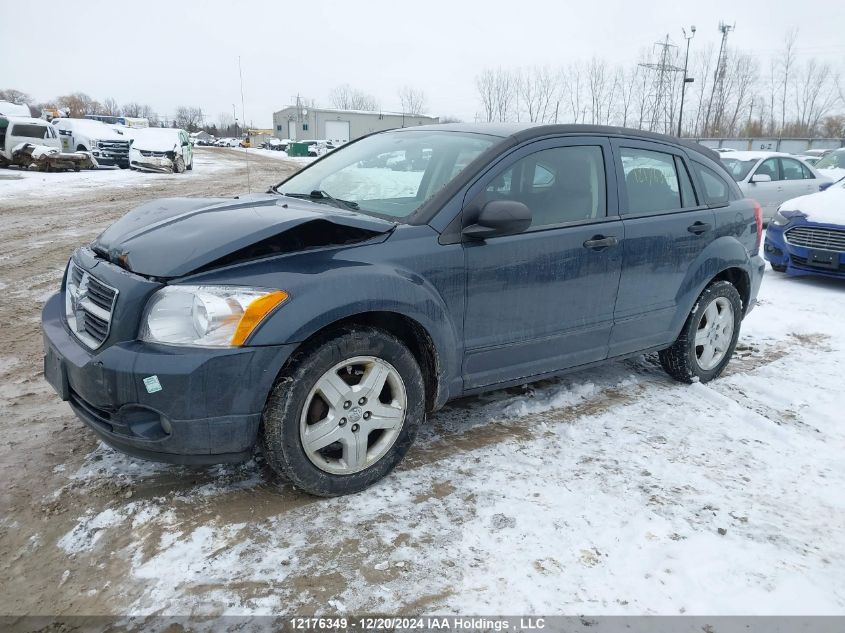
x=115 y=149
x=88 y=306
x=817 y=237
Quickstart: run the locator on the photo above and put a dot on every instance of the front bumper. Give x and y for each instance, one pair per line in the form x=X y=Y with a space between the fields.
x=160 y=164
x=208 y=409
x=794 y=258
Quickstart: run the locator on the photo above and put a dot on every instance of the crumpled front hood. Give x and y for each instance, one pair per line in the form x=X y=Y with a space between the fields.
x=826 y=207
x=172 y=237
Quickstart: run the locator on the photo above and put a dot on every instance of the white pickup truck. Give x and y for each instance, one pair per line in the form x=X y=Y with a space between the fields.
x=109 y=147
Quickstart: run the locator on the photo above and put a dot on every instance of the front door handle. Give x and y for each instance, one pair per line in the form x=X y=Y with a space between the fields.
x=699 y=227
x=600 y=242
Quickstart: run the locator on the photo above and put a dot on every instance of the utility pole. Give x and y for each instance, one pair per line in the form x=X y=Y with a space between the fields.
x=661 y=102
x=719 y=76
x=235 y=117
x=686 y=79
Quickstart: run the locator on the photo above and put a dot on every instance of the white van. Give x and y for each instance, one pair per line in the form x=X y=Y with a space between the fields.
x=84 y=135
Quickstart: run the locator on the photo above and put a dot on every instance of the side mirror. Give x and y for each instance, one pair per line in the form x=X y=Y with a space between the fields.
x=499 y=217
x=761 y=178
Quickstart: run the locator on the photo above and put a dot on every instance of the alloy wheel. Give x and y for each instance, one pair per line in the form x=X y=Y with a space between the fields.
x=353 y=415
x=714 y=333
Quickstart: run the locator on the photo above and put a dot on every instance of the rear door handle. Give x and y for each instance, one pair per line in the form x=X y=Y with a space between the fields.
x=600 y=242
x=699 y=227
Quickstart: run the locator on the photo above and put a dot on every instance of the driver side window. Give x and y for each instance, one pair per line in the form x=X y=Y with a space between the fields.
x=769 y=167
x=558 y=185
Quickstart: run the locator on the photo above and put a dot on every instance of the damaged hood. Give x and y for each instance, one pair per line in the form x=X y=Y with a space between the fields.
x=172 y=237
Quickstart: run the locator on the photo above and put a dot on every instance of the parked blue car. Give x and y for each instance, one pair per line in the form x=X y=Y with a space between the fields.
x=323 y=319
x=807 y=235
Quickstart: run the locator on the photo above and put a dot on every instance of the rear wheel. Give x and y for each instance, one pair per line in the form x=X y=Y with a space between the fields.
x=709 y=336
x=345 y=413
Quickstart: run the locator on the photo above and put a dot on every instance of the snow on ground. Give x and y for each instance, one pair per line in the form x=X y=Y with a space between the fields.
x=35 y=184
x=271 y=153
x=609 y=491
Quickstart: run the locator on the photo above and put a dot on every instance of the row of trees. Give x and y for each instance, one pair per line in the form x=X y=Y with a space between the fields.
x=78 y=104
x=345 y=97
x=737 y=97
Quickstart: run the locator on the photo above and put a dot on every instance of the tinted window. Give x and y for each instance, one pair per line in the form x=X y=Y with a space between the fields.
x=651 y=181
x=31 y=131
x=716 y=190
x=792 y=169
x=769 y=167
x=564 y=184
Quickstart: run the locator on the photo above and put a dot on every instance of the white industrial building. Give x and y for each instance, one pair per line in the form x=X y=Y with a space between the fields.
x=339 y=126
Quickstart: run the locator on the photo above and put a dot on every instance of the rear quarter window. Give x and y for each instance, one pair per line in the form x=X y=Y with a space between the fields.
x=716 y=189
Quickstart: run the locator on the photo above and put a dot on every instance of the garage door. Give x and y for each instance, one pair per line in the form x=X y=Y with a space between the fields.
x=337 y=131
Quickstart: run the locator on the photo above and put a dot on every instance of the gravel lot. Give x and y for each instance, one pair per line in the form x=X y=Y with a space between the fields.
x=613 y=490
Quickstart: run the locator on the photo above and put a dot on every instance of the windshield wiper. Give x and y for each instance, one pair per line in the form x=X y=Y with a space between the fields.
x=319 y=194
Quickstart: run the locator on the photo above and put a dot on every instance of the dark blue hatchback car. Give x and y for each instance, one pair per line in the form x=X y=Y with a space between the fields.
x=323 y=319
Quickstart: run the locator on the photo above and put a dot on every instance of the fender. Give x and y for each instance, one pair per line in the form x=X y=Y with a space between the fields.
x=722 y=253
x=356 y=290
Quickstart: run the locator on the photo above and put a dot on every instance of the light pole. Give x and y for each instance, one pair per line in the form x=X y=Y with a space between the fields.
x=235 y=116
x=686 y=79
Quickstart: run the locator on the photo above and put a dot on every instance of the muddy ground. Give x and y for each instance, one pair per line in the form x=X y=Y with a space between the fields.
x=613 y=491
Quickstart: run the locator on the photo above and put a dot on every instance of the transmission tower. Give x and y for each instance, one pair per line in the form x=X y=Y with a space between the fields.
x=717 y=93
x=660 y=112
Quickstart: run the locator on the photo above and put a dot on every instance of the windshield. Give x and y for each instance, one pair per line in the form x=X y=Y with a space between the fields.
x=834 y=160
x=738 y=168
x=389 y=174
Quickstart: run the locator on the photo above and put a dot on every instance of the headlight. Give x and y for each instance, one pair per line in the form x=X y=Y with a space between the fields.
x=94 y=143
x=207 y=316
x=783 y=218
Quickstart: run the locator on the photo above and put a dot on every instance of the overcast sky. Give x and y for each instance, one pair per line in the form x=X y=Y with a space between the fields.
x=186 y=53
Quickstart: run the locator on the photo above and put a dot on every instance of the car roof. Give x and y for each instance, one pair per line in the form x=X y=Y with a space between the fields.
x=753 y=155
x=520 y=132
x=25 y=119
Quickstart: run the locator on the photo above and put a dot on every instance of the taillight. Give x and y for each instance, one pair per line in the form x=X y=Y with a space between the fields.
x=758 y=218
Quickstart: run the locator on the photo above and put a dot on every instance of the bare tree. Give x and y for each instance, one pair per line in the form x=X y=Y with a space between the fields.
x=412 y=100
x=627 y=81
x=345 y=97
x=815 y=95
x=787 y=63
x=79 y=104
x=537 y=88
x=485 y=83
x=15 y=96
x=111 y=107
x=188 y=118
x=572 y=83
x=449 y=118
x=498 y=91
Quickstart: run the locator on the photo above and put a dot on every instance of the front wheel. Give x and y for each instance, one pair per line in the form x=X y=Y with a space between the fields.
x=709 y=336
x=345 y=413
x=179 y=165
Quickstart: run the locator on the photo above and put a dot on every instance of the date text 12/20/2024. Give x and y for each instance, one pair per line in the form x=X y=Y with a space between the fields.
x=428 y=623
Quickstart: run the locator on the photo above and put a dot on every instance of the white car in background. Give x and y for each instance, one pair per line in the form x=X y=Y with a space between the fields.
x=109 y=147
x=771 y=178
x=166 y=150
x=833 y=164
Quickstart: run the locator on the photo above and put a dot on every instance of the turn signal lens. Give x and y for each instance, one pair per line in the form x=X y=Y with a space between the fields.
x=255 y=313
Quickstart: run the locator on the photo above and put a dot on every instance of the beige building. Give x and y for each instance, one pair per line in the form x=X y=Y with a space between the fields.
x=339 y=126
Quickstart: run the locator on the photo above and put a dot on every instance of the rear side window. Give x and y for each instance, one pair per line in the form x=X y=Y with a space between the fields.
x=558 y=185
x=651 y=181
x=716 y=190
x=28 y=130
x=792 y=169
x=688 y=197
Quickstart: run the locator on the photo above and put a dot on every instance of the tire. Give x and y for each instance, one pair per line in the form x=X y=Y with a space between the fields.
x=296 y=407
x=190 y=166
x=179 y=165
x=778 y=268
x=686 y=360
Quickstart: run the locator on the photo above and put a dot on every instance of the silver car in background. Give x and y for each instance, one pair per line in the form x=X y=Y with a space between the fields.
x=772 y=178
